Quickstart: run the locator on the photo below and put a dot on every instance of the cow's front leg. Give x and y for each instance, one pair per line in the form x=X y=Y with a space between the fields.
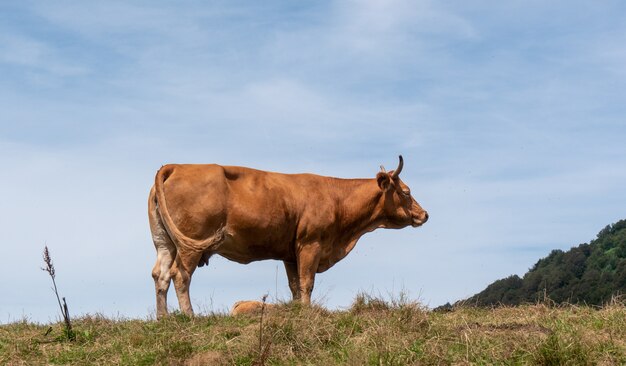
x=308 y=260
x=293 y=279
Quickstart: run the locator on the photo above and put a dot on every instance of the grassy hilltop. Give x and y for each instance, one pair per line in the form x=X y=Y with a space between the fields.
x=372 y=332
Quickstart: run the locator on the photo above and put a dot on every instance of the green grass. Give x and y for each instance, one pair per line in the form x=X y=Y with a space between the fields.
x=372 y=332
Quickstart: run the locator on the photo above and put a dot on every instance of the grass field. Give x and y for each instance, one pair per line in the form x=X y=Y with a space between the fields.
x=372 y=332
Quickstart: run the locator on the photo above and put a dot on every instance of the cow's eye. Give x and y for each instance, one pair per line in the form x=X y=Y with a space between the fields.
x=406 y=192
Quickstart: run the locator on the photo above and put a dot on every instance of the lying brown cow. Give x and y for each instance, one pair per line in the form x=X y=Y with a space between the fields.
x=249 y=307
x=307 y=221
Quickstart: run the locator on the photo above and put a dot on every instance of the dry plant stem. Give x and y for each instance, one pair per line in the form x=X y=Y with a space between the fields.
x=64 y=310
x=66 y=316
x=261 y=326
x=263 y=353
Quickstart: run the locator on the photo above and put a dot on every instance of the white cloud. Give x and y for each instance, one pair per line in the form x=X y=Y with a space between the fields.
x=372 y=25
x=26 y=52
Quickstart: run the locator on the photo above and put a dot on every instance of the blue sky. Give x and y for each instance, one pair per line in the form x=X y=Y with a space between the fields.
x=510 y=117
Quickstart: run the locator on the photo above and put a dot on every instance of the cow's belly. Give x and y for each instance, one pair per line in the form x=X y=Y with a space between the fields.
x=245 y=248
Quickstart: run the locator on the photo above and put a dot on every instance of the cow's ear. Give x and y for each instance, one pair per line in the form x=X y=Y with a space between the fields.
x=384 y=180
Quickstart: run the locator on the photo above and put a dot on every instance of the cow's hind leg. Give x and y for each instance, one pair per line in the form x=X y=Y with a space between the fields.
x=161 y=272
x=184 y=266
x=166 y=252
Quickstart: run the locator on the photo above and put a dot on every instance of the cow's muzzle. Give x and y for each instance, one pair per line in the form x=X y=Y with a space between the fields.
x=420 y=219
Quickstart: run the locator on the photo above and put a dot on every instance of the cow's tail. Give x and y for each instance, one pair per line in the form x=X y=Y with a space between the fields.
x=180 y=240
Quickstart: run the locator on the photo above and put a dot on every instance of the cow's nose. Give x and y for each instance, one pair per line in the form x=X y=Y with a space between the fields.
x=425 y=216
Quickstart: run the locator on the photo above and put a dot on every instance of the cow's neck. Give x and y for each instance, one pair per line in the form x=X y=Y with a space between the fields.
x=359 y=208
x=358 y=212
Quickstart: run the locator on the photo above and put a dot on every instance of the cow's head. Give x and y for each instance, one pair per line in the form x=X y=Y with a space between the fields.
x=399 y=208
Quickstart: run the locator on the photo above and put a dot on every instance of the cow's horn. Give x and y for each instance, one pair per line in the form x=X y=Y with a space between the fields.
x=396 y=173
x=382 y=169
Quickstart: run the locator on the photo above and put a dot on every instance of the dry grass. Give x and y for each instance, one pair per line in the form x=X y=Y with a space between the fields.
x=372 y=332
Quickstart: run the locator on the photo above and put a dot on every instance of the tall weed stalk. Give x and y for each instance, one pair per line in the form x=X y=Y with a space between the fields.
x=263 y=351
x=69 y=333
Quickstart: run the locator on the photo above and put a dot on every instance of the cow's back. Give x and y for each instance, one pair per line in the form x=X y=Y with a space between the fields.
x=258 y=210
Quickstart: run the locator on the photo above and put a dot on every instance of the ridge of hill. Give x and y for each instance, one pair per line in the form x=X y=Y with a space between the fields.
x=590 y=273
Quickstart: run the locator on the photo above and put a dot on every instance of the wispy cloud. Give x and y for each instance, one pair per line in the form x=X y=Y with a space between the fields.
x=36 y=59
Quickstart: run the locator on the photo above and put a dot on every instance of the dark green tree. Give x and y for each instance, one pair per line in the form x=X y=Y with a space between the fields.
x=588 y=273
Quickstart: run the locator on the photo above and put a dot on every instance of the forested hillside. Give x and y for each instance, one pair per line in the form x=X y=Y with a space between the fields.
x=589 y=273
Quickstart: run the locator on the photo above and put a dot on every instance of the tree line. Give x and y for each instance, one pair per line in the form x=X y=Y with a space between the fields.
x=590 y=273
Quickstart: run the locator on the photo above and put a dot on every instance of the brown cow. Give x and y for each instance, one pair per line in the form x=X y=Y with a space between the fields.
x=309 y=222
x=249 y=307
